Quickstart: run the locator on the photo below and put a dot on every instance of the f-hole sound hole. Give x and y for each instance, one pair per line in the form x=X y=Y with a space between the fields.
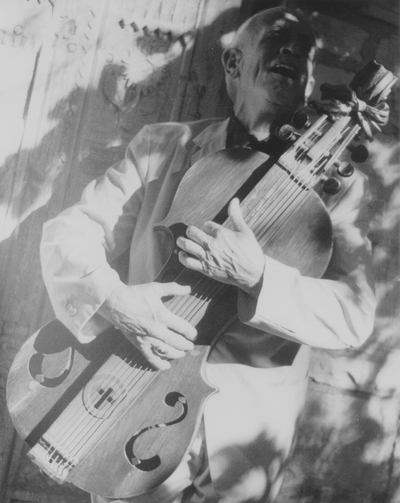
x=37 y=363
x=171 y=399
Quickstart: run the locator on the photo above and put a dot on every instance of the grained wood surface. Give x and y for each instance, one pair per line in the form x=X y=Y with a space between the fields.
x=131 y=412
x=216 y=178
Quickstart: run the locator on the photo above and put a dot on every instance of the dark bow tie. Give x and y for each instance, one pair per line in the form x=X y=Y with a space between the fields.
x=272 y=146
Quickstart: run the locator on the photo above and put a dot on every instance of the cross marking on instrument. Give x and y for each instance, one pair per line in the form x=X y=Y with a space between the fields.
x=105 y=395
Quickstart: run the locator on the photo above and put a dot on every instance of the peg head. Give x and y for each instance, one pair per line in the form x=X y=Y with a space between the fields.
x=331 y=186
x=359 y=153
x=300 y=120
x=284 y=132
x=345 y=169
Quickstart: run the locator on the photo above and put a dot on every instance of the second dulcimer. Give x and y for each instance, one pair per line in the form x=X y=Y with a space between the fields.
x=98 y=415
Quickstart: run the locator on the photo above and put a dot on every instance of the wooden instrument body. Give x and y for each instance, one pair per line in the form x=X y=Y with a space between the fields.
x=104 y=468
x=112 y=461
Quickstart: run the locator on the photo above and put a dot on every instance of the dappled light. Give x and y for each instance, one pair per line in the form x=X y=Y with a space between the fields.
x=129 y=84
x=80 y=80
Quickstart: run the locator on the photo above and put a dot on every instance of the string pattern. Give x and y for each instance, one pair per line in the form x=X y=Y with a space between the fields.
x=78 y=429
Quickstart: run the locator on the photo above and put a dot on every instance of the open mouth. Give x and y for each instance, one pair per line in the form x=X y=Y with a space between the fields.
x=285 y=70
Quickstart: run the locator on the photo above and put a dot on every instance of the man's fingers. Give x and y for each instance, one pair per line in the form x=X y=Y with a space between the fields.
x=177 y=324
x=160 y=348
x=139 y=312
x=165 y=320
x=172 y=288
x=160 y=332
x=170 y=315
x=200 y=237
x=211 y=229
x=235 y=214
x=156 y=351
x=154 y=359
x=189 y=246
x=190 y=262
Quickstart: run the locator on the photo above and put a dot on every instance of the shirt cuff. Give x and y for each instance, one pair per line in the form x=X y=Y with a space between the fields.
x=269 y=312
x=78 y=302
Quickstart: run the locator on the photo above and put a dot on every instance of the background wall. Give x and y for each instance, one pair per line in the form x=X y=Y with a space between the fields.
x=79 y=79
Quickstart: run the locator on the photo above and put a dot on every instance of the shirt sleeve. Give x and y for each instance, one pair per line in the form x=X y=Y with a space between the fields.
x=336 y=311
x=78 y=245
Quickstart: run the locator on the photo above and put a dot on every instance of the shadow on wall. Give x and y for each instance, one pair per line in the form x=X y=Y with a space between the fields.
x=348 y=437
x=131 y=96
x=338 y=457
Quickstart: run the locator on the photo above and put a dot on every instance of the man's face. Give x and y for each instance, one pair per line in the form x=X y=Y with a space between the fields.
x=277 y=64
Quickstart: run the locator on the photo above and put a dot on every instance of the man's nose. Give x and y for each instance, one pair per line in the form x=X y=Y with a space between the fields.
x=291 y=48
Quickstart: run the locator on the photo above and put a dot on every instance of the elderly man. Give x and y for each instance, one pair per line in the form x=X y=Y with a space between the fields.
x=260 y=363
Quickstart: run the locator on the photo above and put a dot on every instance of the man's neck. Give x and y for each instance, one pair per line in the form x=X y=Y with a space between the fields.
x=257 y=119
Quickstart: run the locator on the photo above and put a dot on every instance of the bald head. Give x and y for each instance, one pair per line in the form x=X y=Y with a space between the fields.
x=249 y=30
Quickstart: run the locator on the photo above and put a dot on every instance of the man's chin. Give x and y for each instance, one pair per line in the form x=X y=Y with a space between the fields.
x=287 y=97
x=283 y=104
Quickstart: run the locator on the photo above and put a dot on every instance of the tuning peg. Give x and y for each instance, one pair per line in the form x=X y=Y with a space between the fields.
x=359 y=153
x=300 y=120
x=344 y=169
x=284 y=132
x=331 y=186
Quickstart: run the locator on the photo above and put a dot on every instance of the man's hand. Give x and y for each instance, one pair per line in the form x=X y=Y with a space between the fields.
x=229 y=256
x=140 y=314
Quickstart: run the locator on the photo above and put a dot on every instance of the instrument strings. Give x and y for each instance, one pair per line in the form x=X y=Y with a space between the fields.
x=77 y=426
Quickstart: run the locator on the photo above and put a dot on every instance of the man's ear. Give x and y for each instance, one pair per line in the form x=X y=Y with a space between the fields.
x=231 y=58
x=309 y=87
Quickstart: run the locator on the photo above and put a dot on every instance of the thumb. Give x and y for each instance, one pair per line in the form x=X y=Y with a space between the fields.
x=172 y=288
x=235 y=214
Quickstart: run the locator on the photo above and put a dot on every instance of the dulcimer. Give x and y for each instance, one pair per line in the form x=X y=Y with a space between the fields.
x=98 y=415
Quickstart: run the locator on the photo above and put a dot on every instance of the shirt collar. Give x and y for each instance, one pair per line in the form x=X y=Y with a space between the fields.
x=228 y=133
x=215 y=133
x=211 y=139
